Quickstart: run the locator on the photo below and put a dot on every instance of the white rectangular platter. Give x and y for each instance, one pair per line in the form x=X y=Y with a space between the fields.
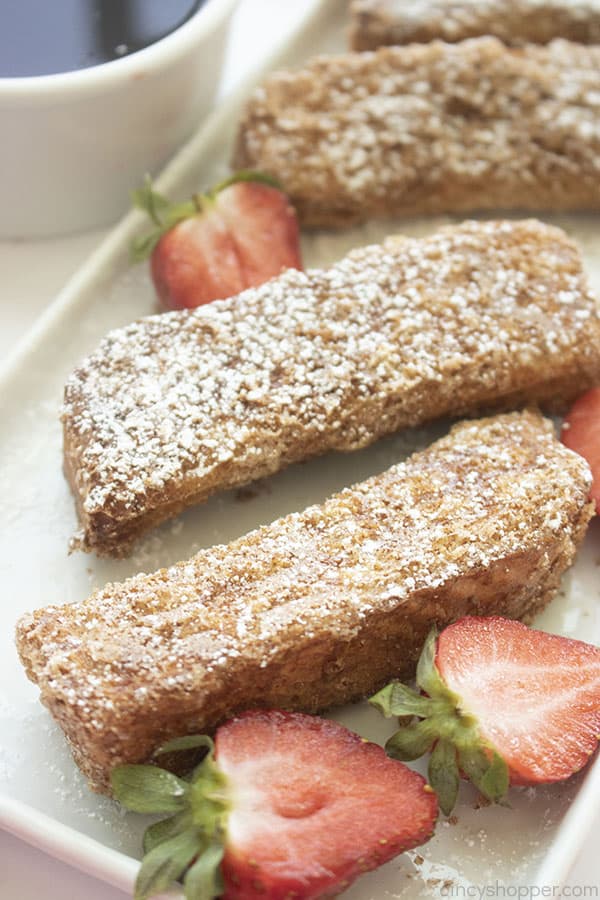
x=43 y=797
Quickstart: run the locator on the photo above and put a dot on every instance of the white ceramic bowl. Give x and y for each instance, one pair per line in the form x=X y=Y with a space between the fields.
x=73 y=145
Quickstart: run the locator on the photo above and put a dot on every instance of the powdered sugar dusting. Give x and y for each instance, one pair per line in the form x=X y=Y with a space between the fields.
x=377 y=22
x=192 y=637
x=176 y=406
x=431 y=128
x=517 y=838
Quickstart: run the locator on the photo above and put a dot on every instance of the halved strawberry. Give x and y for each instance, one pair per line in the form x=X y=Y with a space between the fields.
x=288 y=805
x=581 y=433
x=504 y=704
x=196 y=262
x=264 y=229
x=237 y=235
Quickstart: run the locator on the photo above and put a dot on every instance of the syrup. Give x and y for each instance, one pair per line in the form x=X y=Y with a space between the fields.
x=44 y=37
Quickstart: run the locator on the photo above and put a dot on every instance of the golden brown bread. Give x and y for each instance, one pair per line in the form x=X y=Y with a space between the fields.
x=430 y=128
x=175 y=407
x=321 y=607
x=376 y=23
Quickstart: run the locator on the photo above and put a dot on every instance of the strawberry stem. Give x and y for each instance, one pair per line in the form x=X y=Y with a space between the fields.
x=188 y=845
x=439 y=721
x=245 y=175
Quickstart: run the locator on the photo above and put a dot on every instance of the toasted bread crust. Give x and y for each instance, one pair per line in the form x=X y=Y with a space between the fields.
x=175 y=407
x=321 y=607
x=376 y=23
x=430 y=128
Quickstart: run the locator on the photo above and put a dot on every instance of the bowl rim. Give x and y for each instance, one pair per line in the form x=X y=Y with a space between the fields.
x=156 y=56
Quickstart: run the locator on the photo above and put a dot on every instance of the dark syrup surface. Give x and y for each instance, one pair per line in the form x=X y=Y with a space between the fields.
x=43 y=37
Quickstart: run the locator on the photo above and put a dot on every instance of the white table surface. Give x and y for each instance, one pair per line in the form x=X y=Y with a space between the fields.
x=32 y=274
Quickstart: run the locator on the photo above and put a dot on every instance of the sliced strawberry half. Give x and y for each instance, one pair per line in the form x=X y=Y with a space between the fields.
x=313 y=806
x=237 y=235
x=505 y=705
x=581 y=433
x=264 y=228
x=196 y=262
x=288 y=805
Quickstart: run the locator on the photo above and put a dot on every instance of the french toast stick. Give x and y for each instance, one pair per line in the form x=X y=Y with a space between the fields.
x=377 y=23
x=430 y=128
x=321 y=607
x=174 y=407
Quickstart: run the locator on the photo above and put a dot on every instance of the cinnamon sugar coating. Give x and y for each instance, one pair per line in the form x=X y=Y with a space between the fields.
x=321 y=607
x=379 y=22
x=430 y=128
x=174 y=407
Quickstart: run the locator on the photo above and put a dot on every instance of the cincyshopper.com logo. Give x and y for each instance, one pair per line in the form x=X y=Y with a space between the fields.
x=520 y=891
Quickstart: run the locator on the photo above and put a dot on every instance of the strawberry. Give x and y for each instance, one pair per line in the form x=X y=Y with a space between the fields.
x=502 y=703
x=581 y=433
x=285 y=805
x=235 y=236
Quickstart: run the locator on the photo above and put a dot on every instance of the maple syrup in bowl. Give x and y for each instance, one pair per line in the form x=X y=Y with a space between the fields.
x=94 y=94
x=46 y=38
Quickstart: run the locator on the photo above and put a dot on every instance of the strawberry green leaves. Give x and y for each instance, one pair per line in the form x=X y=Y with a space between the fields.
x=397 y=699
x=489 y=775
x=245 y=175
x=167 y=862
x=165 y=829
x=411 y=742
x=443 y=774
x=439 y=724
x=189 y=844
x=204 y=878
x=188 y=742
x=147 y=789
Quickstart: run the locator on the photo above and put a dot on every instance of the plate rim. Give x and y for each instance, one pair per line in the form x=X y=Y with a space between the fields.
x=40 y=830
